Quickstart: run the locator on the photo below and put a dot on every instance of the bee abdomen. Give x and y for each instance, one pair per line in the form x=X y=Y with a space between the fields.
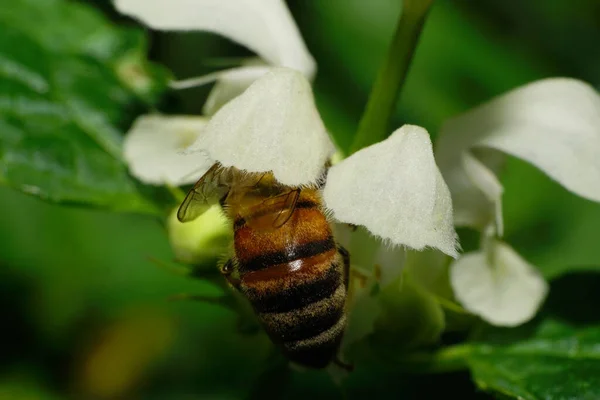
x=310 y=335
x=288 y=254
x=318 y=351
x=305 y=315
x=288 y=292
x=308 y=321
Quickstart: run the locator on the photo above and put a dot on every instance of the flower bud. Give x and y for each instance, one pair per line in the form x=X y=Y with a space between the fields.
x=410 y=318
x=388 y=321
x=201 y=240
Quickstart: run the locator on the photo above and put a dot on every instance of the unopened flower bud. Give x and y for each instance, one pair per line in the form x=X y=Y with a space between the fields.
x=203 y=239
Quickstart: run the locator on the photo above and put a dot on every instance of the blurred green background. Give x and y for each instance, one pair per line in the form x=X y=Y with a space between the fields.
x=85 y=311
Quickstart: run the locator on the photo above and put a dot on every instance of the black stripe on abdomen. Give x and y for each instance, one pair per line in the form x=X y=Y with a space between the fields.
x=308 y=321
x=318 y=351
x=289 y=254
x=298 y=295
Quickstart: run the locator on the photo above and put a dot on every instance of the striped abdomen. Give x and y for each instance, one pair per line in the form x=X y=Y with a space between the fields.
x=294 y=278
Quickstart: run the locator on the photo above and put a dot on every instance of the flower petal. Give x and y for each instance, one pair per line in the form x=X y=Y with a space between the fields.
x=507 y=291
x=369 y=254
x=486 y=181
x=396 y=191
x=272 y=126
x=230 y=85
x=471 y=206
x=153 y=149
x=554 y=124
x=265 y=27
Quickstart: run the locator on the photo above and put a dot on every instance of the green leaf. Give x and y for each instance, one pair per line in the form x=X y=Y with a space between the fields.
x=557 y=356
x=70 y=82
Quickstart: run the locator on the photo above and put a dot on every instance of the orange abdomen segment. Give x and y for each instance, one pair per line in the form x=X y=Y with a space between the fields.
x=302 y=234
x=293 y=276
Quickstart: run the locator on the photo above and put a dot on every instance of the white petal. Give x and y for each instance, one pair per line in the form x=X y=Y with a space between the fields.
x=554 y=124
x=369 y=254
x=265 y=27
x=153 y=149
x=506 y=292
x=486 y=181
x=396 y=191
x=471 y=206
x=230 y=85
x=272 y=126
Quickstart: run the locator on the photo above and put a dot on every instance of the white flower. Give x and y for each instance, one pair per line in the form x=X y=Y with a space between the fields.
x=153 y=149
x=498 y=285
x=555 y=125
x=263 y=26
x=393 y=188
x=273 y=126
x=396 y=191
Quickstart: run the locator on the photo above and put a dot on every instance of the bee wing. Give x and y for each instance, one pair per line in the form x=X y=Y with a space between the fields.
x=209 y=188
x=277 y=210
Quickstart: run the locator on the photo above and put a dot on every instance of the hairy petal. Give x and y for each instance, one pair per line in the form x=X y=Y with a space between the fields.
x=396 y=191
x=272 y=126
x=153 y=149
x=263 y=26
x=553 y=124
x=499 y=286
x=230 y=85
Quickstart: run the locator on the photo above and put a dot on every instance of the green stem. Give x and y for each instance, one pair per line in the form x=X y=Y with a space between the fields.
x=448 y=359
x=374 y=123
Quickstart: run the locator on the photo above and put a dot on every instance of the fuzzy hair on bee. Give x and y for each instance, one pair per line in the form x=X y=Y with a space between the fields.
x=285 y=260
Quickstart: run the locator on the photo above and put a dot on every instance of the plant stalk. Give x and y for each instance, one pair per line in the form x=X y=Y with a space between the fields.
x=447 y=359
x=373 y=126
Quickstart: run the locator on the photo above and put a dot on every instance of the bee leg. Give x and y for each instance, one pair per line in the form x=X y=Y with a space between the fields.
x=343 y=365
x=223 y=200
x=247 y=324
x=346 y=258
x=227 y=270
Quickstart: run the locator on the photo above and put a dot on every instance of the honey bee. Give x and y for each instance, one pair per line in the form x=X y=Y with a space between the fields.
x=286 y=261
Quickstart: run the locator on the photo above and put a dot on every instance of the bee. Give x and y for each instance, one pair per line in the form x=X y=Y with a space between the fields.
x=286 y=261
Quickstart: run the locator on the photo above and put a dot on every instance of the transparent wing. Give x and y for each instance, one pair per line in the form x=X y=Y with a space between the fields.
x=210 y=188
x=272 y=212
